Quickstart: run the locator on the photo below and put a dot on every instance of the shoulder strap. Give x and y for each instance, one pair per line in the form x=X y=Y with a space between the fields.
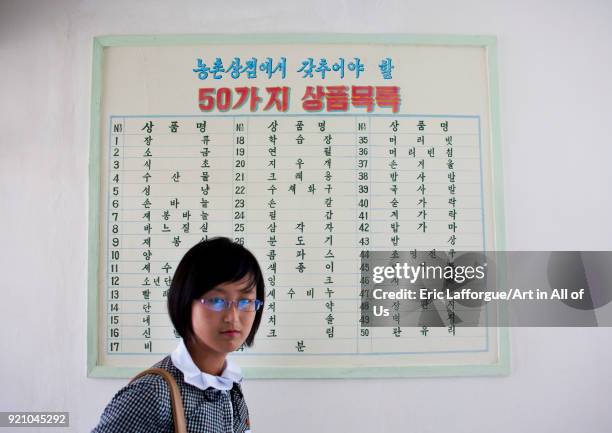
x=178 y=413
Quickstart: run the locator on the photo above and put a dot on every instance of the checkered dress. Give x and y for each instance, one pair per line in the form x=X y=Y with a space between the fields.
x=144 y=406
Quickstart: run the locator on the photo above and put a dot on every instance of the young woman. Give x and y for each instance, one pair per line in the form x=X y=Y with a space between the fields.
x=215 y=304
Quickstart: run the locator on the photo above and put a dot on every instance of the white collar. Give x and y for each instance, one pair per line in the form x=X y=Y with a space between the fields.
x=193 y=376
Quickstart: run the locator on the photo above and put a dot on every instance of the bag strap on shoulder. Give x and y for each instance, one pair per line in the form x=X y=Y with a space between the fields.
x=178 y=412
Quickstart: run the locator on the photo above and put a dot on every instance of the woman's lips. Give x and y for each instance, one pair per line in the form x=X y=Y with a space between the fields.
x=231 y=333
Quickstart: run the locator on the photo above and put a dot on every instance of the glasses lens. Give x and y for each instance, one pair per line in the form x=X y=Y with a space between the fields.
x=216 y=304
x=246 y=305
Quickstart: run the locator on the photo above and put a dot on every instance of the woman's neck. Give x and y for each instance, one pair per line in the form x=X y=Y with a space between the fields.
x=207 y=361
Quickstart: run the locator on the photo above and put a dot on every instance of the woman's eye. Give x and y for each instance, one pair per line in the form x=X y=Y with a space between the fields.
x=217 y=302
x=244 y=303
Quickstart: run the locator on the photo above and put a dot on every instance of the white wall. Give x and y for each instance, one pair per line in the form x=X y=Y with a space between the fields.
x=555 y=61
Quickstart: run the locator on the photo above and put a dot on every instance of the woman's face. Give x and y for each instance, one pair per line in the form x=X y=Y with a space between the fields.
x=224 y=331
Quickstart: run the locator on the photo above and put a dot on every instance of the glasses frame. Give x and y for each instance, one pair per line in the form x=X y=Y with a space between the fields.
x=227 y=304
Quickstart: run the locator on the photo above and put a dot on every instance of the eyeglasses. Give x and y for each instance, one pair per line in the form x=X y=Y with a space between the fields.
x=220 y=304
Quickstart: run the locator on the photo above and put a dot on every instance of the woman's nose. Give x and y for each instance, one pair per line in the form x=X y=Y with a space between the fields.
x=231 y=313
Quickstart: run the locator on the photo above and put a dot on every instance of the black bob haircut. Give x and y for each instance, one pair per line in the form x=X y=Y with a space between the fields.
x=202 y=268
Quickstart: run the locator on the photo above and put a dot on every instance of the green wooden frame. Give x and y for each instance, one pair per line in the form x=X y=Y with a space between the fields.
x=99 y=43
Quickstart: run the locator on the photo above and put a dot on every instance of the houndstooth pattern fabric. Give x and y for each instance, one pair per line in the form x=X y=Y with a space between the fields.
x=144 y=406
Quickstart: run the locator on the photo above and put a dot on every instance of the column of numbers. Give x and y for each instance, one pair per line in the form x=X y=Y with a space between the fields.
x=362 y=165
x=240 y=181
x=114 y=234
